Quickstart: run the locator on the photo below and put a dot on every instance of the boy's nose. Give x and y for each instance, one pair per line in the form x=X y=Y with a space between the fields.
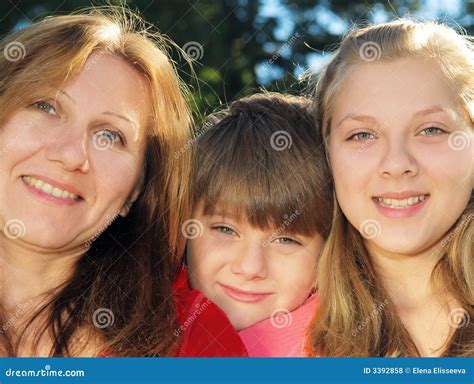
x=251 y=262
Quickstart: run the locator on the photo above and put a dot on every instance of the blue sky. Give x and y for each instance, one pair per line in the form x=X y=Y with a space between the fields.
x=447 y=10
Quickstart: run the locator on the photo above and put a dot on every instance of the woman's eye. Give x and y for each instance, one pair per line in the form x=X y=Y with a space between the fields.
x=224 y=229
x=45 y=107
x=432 y=131
x=362 y=136
x=107 y=138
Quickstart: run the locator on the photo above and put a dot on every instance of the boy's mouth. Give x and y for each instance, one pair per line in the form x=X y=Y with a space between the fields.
x=244 y=296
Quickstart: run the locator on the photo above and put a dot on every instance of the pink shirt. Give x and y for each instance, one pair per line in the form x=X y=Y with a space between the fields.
x=281 y=336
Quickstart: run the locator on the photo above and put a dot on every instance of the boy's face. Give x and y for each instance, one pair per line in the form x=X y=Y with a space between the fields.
x=249 y=273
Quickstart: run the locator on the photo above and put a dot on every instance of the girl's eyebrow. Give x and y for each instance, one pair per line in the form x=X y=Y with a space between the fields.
x=371 y=119
x=429 y=111
x=354 y=116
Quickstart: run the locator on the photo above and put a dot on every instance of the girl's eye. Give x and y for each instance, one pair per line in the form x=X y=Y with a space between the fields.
x=432 y=131
x=107 y=138
x=361 y=136
x=286 y=240
x=45 y=107
x=225 y=230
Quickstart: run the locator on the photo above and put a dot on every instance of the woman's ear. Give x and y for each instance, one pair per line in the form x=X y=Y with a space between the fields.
x=134 y=195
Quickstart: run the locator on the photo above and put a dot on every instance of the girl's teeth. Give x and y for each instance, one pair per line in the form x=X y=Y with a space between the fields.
x=401 y=203
x=57 y=192
x=49 y=189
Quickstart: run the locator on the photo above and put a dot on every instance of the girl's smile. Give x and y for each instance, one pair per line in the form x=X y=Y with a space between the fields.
x=400 y=204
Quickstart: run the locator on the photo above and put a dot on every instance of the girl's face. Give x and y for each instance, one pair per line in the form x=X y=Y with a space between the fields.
x=71 y=159
x=251 y=274
x=402 y=154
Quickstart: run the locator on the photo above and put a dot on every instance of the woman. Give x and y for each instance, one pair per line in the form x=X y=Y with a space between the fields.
x=91 y=192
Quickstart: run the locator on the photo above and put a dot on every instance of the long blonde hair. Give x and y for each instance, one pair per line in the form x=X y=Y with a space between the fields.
x=138 y=289
x=355 y=315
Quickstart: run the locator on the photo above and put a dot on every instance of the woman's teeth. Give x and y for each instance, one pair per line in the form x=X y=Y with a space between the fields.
x=49 y=189
x=401 y=203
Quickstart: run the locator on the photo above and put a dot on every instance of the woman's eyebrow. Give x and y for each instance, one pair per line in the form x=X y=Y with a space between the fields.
x=108 y=113
x=67 y=95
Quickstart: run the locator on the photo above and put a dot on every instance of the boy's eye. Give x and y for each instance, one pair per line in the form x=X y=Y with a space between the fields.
x=45 y=107
x=107 y=138
x=286 y=240
x=224 y=229
x=362 y=136
x=432 y=131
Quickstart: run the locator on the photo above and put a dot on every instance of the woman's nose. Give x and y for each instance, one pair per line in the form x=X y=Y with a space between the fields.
x=70 y=149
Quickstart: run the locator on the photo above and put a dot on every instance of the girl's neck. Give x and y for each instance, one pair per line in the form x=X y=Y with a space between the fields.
x=422 y=301
x=408 y=278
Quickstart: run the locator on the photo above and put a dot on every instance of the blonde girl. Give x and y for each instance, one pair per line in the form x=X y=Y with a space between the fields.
x=395 y=107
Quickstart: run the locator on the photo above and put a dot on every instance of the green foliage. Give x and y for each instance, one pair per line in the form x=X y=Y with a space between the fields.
x=237 y=38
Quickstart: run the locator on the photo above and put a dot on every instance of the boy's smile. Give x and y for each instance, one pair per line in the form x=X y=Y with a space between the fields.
x=250 y=272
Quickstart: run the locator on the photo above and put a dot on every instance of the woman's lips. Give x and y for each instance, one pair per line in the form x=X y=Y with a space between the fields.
x=399 y=211
x=48 y=197
x=244 y=296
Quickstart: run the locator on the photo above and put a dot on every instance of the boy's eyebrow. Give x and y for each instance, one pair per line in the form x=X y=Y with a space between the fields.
x=221 y=213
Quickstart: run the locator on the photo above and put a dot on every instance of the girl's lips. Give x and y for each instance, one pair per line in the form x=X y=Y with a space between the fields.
x=400 y=212
x=244 y=296
x=47 y=197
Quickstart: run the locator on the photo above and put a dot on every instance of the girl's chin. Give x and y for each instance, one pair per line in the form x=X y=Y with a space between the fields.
x=399 y=248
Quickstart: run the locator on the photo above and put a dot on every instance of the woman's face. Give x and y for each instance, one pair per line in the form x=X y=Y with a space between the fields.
x=72 y=159
x=402 y=154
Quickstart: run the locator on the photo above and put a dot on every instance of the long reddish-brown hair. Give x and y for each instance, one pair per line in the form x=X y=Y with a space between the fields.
x=134 y=279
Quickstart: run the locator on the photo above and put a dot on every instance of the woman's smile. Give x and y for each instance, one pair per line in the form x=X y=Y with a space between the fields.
x=51 y=190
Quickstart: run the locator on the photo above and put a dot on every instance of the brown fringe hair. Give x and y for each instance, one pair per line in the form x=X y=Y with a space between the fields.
x=261 y=159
